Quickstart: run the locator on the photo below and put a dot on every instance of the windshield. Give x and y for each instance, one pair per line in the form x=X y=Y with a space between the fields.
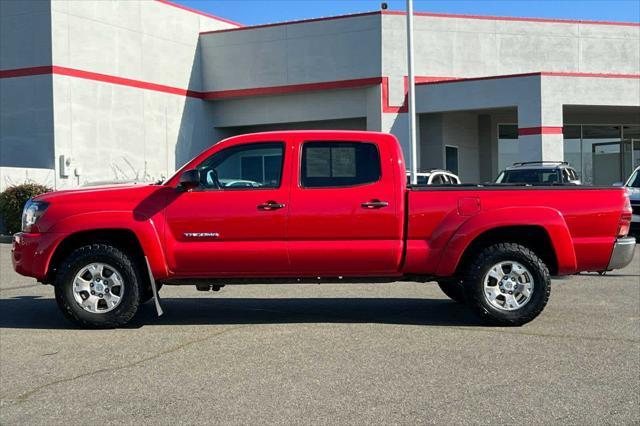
x=532 y=176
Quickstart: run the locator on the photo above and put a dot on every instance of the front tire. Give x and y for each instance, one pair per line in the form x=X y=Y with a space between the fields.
x=98 y=286
x=507 y=284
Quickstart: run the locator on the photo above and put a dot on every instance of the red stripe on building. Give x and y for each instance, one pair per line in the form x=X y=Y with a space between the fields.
x=283 y=89
x=25 y=72
x=544 y=130
x=121 y=81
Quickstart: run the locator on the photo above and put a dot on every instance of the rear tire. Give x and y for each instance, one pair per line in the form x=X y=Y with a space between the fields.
x=98 y=267
x=454 y=289
x=507 y=285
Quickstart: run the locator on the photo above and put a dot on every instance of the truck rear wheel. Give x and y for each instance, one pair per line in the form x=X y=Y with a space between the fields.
x=97 y=286
x=507 y=284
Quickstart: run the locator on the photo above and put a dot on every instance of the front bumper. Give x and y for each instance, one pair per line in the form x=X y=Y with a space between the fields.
x=623 y=250
x=31 y=253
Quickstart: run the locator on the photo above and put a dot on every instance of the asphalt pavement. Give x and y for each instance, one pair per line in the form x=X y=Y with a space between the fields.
x=324 y=354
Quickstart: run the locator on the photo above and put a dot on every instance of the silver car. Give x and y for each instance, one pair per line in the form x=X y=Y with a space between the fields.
x=633 y=185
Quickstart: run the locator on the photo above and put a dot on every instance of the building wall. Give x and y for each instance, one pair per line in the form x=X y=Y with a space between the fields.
x=295 y=53
x=26 y=107
x=115 y=132
x=467 y=47
x=459 y=129
x=114 y=101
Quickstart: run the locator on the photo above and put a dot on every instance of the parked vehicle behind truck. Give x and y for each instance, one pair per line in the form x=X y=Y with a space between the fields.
x=324 y=206
x=539 y=173
x=633 y=186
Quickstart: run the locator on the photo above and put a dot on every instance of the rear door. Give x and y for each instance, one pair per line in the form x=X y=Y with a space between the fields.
x=344 y=209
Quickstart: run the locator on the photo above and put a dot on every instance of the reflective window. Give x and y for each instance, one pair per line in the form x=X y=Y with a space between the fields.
x=451 y=158
x=250 y=166
x=333 y=164
x=508 y=146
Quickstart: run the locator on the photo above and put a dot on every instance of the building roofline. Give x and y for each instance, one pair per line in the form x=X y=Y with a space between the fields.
x=429 y=14
x=199 y=12
x=513 y=18
x=446 y=80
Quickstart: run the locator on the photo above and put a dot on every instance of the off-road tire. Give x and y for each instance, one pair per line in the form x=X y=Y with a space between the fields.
x=454 y=289
x=113 y=256
x=474 y=286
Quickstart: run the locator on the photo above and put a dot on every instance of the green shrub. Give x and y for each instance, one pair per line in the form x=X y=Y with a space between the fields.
x=12 y=201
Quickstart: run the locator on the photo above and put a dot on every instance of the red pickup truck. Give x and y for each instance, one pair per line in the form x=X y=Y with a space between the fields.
x=328 y=206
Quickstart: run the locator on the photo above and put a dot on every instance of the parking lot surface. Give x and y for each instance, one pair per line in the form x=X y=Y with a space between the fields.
x=329 y=354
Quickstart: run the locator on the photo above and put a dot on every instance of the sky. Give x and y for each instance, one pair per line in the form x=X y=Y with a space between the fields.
x=253 y=12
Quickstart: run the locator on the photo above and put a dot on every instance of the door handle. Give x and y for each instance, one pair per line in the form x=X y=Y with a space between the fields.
x=270 y=205
x=374 y=204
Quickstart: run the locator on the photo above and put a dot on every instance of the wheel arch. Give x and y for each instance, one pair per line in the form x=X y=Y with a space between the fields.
x=534 y=237
x=122 y=238
x=541 y=229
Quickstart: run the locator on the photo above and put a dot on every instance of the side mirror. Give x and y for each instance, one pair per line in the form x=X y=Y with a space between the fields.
x=189 y=179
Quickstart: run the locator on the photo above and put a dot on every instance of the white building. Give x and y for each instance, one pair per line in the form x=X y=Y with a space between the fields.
x=119 y=90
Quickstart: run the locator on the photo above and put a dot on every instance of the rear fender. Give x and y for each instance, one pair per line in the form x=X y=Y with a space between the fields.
x=549 y=219
x=142 y=227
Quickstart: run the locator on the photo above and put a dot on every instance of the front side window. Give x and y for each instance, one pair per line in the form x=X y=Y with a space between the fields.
x=335 y=164
x=251 y=166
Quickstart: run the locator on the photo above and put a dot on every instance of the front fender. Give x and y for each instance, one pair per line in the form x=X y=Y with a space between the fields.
x=549 y=219
x=144 y=228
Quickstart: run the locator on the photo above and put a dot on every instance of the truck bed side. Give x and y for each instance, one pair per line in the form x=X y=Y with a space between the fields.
x=581 y=223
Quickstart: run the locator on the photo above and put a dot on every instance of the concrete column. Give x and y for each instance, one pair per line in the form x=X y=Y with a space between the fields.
x=540 y=131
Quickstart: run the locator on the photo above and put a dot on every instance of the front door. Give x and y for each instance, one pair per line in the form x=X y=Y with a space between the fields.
x=345 y=210
x=234 y=223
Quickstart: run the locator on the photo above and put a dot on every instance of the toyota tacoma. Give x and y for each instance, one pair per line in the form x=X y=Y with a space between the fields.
x=316 y=206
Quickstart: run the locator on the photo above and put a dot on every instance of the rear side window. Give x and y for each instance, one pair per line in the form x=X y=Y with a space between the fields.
x=336 y=164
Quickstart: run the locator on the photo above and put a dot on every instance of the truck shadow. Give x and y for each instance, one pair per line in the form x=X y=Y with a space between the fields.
x=28 y=312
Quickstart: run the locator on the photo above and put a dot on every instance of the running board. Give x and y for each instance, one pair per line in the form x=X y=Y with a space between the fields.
x=154 y=289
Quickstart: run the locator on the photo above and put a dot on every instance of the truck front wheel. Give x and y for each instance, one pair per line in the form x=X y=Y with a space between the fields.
x=507 y=284
x=97 y=286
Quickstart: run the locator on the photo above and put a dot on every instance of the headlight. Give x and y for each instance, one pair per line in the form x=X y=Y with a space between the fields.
x=32 y=211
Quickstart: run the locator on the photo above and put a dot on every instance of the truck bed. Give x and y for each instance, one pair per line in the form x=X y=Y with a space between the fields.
x=437 y=213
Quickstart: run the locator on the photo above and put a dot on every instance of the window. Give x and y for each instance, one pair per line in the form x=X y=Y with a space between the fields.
x=251 y=166
x=451 y=158
x=331 y=164
x=508 y=145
